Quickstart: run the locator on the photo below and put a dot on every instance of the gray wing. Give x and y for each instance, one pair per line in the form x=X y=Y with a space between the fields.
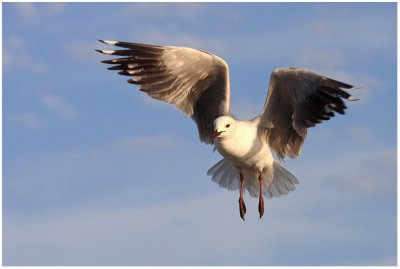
x=298 y=99
x=196 y=82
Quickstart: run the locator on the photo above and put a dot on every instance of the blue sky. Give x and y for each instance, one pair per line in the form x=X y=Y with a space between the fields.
x=96 y=173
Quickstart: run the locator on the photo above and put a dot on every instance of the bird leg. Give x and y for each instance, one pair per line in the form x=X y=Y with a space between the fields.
x=260 y=198
x=242 y=206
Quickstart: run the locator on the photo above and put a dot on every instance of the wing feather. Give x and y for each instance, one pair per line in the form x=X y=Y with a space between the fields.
x=299 y=99
x=197 y=82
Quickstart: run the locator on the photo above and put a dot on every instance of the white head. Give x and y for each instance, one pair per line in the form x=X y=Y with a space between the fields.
x=224 y=127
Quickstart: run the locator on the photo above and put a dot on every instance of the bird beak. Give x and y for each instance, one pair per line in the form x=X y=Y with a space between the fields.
x=216 y=134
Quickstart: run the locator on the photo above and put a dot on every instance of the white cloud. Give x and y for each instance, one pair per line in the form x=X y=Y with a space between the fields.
x=321 y=58
x=357 y=134
x=26 y=119
x=152 y=103
x=56 y=104
x=333 y=41
x=84 y=50
x=245 y=109
x=128 y=234
x=27 y=11
x=348 y=26
x=55 y=8
x=360 y=134
x=19 y=57
x=372 y=172
x=202 y=230
x=8 y=59
x=369 y=85
x=369 y=171
x=154 y=35
x=189 y=12
x=31 y=12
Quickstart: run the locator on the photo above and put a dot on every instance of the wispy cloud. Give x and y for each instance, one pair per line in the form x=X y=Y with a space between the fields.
x=365 y=171
x=56 y=7
x=18 y=56
x=31 y=12
x=369 y=172
x=172 y=37
x=56 y=104
x=336 y=30
x=321 y=58
x=246 y=109
x=84 y=50
x=152 y=103
x=26 y=119
x=358 y=134
x=27 y=11
x=189 y=12
x=182 y=230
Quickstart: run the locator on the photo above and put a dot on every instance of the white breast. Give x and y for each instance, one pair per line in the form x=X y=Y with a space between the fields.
x=245 y=149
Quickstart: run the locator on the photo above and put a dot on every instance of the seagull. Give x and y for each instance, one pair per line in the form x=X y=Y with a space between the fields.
x=197 y=83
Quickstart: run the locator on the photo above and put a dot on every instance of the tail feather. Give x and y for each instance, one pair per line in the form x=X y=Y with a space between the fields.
x=282 y=182
x=277 y=180
x=225 y=174
x=217 y=169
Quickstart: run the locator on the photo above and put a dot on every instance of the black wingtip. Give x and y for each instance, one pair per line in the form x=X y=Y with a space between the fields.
x=109 y=42
x=107 y=52
x=352 y=98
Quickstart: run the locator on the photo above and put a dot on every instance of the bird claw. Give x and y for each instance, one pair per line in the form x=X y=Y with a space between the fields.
x=261 y=206
x=242 y=208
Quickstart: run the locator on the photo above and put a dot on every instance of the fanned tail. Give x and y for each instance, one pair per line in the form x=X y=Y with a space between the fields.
x=277 y=180
x=225 y=174
x=282 y=182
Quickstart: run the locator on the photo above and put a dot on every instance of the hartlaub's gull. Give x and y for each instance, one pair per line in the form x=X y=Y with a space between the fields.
x=197 y=82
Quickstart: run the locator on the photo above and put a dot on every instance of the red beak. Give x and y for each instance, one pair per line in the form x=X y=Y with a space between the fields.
x=216 y=134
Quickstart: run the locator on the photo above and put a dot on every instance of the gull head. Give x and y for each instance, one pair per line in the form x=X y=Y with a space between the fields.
x=224 y=127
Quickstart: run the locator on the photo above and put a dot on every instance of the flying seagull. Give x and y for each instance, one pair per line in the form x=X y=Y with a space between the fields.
x=197 y=83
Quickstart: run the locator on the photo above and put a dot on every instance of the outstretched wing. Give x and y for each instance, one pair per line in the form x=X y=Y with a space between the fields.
x=298 y=99
x=196 y=82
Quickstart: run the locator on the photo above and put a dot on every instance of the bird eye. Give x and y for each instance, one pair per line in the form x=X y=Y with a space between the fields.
x=227 y=126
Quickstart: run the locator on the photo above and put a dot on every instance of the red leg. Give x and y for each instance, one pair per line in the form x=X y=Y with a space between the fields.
x=242 y=206
x=260 y=198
